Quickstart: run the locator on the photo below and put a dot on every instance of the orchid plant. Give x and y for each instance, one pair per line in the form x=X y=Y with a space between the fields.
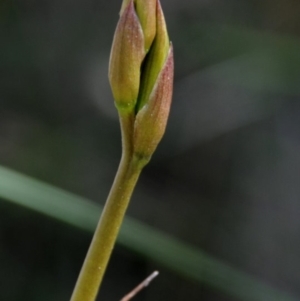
x=141 y=71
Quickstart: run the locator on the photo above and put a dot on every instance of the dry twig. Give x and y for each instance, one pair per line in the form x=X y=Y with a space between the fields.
x=142 y=285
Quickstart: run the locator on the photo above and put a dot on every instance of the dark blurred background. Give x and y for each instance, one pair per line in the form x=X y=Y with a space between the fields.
x=224 y=179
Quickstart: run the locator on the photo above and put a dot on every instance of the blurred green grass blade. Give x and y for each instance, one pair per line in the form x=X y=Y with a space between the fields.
x=258 y=60
x=196 y=264
x=47 y=199
x=265 y=70
x=172 y=253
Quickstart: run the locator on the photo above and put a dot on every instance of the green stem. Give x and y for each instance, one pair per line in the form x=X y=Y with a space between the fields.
x=107 y=230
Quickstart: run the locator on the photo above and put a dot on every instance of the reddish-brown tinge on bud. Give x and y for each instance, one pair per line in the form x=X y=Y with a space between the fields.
x=151 y=120
x=145 y=10
x=126 y=58
x=124 y=5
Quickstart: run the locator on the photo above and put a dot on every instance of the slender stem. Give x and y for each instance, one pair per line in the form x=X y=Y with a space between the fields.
x=107 y=230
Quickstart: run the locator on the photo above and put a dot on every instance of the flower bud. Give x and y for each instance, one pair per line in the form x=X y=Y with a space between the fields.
x=155 y=59
x=126 y=58
x=142 y=80
x=146 y=12
x=151 y=120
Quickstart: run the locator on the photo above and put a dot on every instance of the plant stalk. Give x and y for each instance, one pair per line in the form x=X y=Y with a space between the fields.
x=107 y=230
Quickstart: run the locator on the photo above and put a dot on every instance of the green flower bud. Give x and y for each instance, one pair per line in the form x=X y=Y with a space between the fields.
x=150 y=122
x=126 y=58
x=142 y=80
x=155 y=59
x=146 y=12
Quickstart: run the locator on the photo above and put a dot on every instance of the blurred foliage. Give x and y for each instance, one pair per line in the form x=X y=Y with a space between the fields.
x=136 y=236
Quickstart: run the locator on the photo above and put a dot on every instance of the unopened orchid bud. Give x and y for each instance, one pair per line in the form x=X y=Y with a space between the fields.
x=155 y=59
x=155 y=94
x=142 y=80
x=151 y=120
x=126 y=58
x=146 y=12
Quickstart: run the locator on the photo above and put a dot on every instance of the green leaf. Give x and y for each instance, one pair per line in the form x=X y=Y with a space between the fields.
x=172 y=253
